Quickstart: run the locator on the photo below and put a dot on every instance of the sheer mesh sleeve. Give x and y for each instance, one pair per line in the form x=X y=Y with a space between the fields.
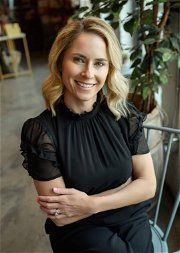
x=137 y=140
x=37 y=148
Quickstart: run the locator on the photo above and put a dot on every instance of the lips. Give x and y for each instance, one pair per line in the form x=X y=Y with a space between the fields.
x=85 y=85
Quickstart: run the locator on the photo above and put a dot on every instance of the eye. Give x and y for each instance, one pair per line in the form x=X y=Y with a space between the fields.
x=78 y=59
x=99 y=64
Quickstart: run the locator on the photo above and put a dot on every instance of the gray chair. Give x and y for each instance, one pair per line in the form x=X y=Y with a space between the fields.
x=159 y=237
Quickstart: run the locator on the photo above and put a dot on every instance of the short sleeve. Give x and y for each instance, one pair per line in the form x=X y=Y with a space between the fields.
x=39 y=152
x=137 y=141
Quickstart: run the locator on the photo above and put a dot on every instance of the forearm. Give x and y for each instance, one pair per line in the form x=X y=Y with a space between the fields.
x=133 y=193
x=73 y=219
x=111 y=191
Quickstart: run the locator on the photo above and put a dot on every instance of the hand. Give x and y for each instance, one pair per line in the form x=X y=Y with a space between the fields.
x=70 y=202
x=62 y=220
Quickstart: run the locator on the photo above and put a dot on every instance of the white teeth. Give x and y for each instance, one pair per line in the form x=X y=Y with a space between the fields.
x=85 y=85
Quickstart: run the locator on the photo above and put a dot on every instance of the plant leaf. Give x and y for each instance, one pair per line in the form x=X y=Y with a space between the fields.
x=136 y=53
x=135 y=63
x=175 y=43
x=145 y=92
x=166 y=53
x=132 y=25
x=104 y=10
x=84 y=8
x=163 y=78
x=149 y=41
x=115 y=24
x=110 y=17
x=116 y=7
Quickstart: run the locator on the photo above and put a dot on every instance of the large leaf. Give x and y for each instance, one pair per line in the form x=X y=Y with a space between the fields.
x=136 y=54
x=163 y=78
x=115 y=24
x=136 y=73
x=151 y=39
x=166 y=53
x=135 y=63
x=116 y=6
x=155 y=62
x=104 y=10
x=132 y=25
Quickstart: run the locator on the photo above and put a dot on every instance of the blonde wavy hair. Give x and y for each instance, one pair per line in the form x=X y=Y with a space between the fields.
x=116 y=85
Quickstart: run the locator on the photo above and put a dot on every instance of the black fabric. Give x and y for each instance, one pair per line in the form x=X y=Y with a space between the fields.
x=93 y=152
x=103 y=239
x=90 y=145
x=38 y=149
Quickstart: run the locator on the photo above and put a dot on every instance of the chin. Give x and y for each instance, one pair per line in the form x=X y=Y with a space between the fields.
x=87 y=98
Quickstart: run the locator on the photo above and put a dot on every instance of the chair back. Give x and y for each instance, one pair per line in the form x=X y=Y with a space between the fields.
x=169 y=135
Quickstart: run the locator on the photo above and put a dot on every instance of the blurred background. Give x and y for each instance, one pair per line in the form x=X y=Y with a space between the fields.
x=27 y=31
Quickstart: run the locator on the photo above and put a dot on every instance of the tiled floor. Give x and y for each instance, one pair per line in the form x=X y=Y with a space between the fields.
x=21 y=221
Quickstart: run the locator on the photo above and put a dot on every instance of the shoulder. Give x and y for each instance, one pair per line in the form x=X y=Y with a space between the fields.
x=132 y=127
x=135 y=113
x=35 y=126
x=135 y=119
x=45 y=115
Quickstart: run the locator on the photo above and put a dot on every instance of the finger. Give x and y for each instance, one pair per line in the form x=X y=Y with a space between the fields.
x=49 y=199
x=48 y=211
x=57 y=217
x=50 y=205
x=66 y=191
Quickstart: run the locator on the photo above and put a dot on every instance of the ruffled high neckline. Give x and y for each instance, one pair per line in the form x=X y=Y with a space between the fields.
x=68 y=113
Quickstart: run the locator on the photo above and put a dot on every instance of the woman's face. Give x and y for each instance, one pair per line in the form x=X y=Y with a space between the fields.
x=85 y=67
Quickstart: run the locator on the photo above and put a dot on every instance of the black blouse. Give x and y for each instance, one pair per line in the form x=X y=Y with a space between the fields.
x=92 y=151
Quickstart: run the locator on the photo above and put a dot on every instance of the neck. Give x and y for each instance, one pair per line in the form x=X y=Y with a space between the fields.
x=79 y=107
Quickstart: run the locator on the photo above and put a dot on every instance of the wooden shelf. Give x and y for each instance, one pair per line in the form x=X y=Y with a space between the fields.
x=10 y=43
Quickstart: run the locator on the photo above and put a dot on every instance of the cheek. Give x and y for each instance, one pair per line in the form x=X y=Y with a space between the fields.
x=103 y=75
x=69 y=70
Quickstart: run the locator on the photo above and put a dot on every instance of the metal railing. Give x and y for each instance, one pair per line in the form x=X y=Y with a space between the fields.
x=171 y=132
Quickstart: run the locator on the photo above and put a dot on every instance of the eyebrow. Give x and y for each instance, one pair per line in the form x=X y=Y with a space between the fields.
x=98 y=59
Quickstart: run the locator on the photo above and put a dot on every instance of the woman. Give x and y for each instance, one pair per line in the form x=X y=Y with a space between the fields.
x=87 y=152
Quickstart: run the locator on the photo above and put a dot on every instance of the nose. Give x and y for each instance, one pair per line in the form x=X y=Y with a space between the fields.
x=88 y=72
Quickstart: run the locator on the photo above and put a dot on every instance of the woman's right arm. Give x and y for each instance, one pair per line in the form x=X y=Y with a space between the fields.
x=45 y=188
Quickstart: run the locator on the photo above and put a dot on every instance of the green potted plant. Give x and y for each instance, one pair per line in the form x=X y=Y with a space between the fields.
x=155 y=45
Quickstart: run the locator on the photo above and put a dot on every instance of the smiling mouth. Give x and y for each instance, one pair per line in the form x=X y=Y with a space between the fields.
x=85 y=85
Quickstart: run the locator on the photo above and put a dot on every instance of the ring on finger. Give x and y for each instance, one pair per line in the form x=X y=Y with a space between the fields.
x=57 y=212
